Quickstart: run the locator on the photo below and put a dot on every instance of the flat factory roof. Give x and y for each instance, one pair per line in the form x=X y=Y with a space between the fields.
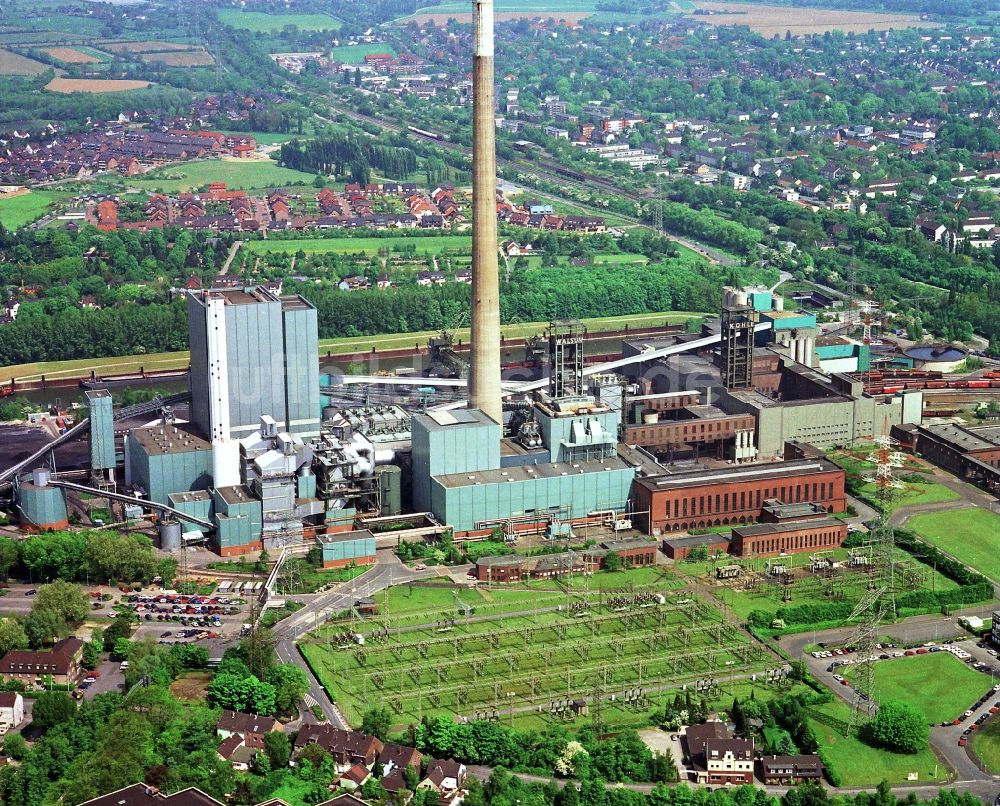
x=690 y=541
x=757 y=529
x=528 y=472
x=964 y=438
x=159 y=440
x=189 y=497
x=746 y=473
x=436 y=420
x=236 y=494
x=357 y=534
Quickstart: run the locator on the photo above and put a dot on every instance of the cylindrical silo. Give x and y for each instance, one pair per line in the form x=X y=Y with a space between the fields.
x=390 y=489
x=170 y=535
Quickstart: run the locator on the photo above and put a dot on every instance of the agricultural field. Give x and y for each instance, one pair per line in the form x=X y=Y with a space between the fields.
x=260 y=23
x=13 y=64
x=94 y=85
x=757 y=590
x=355 y=54
x=971 y=535
x=938 y=684
x=771 y=20
x=986 y=745
x=860 y=764
x=237 y=174
x=145 y=46
x=461 y=652
x=72 y=55
x=24 y=208
x=430 y=245
x=195 y=57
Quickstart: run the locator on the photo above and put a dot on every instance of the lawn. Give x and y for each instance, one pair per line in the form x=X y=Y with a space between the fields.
x=429 y=245
x=237 y=174
x=986 y=745
x=971 y=535
x=260 y=23
x=355 y=54
x=860 y=764
x=17 y=211
x=938 y=684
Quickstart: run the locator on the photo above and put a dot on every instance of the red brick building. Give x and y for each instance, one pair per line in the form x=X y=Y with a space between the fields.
x=770 y=539
x=733 y=495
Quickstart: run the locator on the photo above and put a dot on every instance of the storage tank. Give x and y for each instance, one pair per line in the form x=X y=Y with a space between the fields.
x=42 y=507
x=779 y=303
x=170 y=535
x=390 y=489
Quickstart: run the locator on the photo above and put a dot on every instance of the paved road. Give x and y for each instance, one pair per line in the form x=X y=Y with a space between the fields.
x=388 y=570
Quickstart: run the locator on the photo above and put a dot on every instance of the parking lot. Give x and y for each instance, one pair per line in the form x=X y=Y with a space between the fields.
x=169 y=616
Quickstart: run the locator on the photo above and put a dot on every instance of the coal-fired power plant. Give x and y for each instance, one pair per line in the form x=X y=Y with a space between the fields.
x=484 y=378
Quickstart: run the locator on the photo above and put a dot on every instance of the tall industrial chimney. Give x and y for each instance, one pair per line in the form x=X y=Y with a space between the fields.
x=484 y=377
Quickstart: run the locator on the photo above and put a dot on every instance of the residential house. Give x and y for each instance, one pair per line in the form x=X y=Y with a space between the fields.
x=240 y=750
x=12 y=708
x=146 y=795
x=399 y=757
x=62 y=663
x=717 y=757
x=932 y=230
x=348 y=747
x=354 y=776
x=444 y=777
x=431 y=278
x=342 y=800
x=790 y=770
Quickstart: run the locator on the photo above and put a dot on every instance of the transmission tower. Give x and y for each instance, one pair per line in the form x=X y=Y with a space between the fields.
x=879 y=604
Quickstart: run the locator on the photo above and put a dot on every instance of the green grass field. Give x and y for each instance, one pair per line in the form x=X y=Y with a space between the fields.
x=862 y=765
x=260 y=23
x=971 y=535
x=237 y=174
x=362 y=344
x=938 y=684
x=355 y=54
x=986 y=745
x=17 y=211
x=430 y=245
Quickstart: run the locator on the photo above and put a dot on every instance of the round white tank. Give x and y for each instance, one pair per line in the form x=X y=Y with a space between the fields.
x=779 y=303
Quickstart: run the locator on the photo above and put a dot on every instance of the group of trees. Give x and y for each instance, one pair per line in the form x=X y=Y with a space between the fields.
x=347 y=155
x=250 y=678
x=99 y=557
x=56 y=611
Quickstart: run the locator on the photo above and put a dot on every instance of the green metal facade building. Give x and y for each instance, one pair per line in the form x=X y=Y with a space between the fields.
x=102 y=429
x=167 y=459
x=448 y=442
x=560 y=490
x=271 y=365
x=341 y=550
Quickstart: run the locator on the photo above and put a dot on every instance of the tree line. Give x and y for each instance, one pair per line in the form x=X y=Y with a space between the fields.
x=344 y=154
